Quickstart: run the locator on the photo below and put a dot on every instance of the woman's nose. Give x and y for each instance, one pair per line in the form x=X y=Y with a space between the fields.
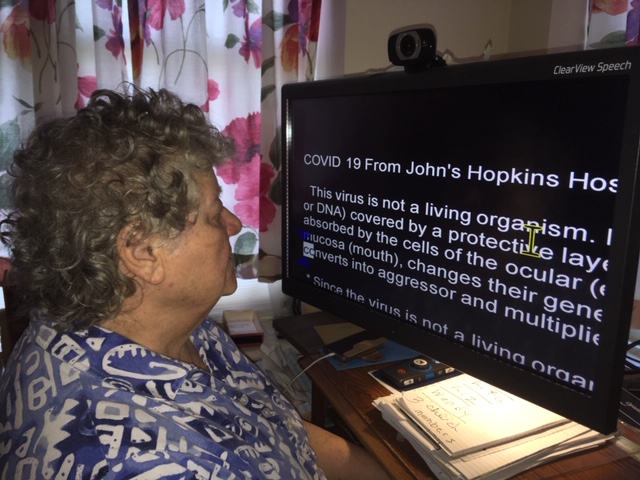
x=233 y=223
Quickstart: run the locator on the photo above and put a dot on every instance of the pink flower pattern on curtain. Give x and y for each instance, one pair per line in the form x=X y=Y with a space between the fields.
x=290 y=37
x=614 y=23
x=55 y=53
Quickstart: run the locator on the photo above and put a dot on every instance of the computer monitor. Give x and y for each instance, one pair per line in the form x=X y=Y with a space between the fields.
x=485 y=215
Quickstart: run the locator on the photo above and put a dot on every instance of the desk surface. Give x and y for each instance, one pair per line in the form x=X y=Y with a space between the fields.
x=351 y=393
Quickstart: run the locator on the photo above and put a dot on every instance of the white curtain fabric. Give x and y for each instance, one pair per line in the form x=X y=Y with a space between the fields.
x=230 y=57
x=290 y=42
x=55 y=53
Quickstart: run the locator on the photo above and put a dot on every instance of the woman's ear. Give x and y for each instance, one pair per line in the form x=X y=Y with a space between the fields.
x=140 y=258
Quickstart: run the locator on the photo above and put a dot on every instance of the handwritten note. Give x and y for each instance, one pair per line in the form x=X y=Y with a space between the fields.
x=463 y=414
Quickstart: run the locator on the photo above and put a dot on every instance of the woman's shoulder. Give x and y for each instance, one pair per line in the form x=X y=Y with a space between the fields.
x=44 y=400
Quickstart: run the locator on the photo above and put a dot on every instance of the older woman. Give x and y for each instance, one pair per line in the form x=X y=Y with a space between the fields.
x=121 y=248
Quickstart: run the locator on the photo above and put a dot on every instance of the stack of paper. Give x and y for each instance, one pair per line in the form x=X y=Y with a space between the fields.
x=466 y=429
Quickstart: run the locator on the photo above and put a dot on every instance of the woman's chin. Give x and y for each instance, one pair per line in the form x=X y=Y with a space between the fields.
x=231 y=285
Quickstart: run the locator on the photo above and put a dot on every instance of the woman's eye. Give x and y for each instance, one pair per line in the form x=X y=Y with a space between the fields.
x=216 y=217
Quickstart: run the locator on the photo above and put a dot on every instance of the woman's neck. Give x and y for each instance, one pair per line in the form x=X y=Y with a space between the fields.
x=169 y=337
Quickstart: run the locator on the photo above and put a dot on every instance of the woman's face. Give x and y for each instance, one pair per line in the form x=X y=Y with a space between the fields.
x=199 y=265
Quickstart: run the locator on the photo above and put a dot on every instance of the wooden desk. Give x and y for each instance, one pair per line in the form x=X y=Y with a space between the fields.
x=351 y=393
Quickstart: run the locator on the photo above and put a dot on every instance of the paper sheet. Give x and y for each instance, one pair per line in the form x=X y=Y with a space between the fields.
x=464 y=414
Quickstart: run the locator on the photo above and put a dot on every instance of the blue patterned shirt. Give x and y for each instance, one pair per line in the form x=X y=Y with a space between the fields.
x=93 y=404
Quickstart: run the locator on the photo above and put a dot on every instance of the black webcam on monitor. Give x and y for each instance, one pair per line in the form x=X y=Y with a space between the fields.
x=413 y=48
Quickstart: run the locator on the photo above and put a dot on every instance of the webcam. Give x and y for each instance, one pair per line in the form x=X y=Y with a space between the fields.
x=414 y=49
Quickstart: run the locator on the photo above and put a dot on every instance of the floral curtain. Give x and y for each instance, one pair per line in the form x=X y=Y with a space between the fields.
x=290 y=36
x=613 y=23
x=216 y=54
x=616 y=23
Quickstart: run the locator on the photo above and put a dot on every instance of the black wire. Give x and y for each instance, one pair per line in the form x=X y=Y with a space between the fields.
x=631 y=363
x=633 y=345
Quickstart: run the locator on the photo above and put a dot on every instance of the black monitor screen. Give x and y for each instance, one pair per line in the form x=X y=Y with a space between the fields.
x=481 y=214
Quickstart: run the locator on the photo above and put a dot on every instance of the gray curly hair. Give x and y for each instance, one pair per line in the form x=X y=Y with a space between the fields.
x=123 y=160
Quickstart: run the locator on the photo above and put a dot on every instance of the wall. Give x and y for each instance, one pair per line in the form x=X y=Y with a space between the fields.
x=464 y=27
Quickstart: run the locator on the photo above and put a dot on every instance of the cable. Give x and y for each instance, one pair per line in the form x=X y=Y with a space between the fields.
x=633 y=344
x=311 y=365
x=632 y=366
